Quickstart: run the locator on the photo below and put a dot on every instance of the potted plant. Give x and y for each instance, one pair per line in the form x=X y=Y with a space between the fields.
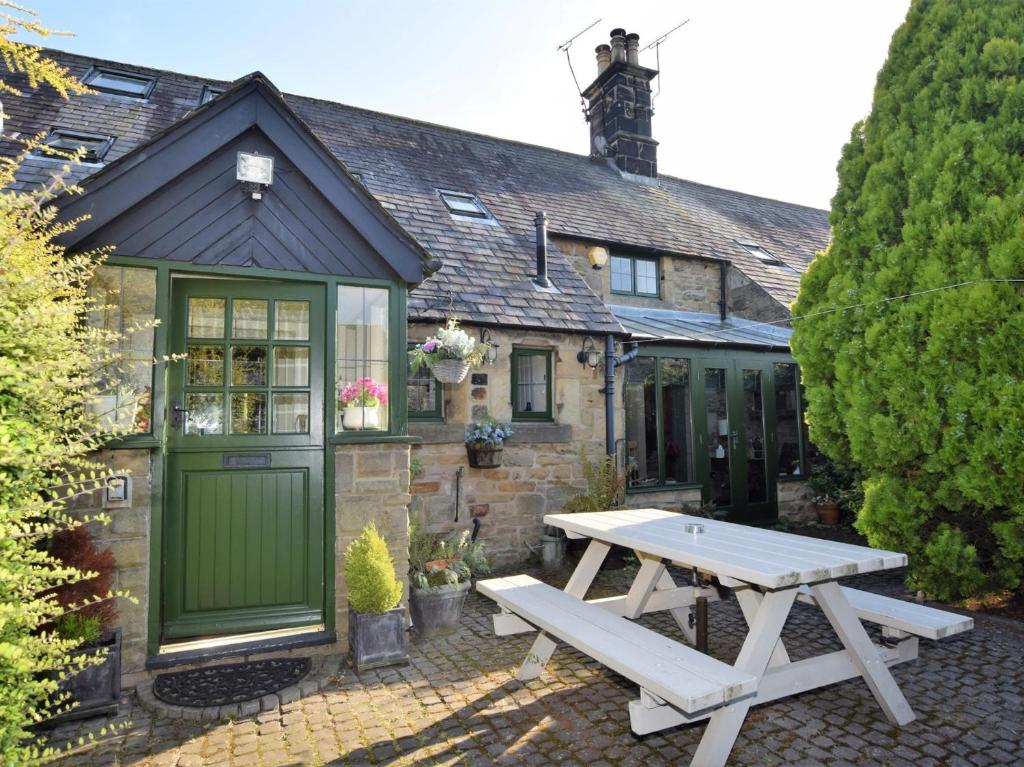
x=485 y=441
x=93 y=686
x=376 y=623
x=440 y=574
x=449 y=354
x=826 y=494
x=360 y=403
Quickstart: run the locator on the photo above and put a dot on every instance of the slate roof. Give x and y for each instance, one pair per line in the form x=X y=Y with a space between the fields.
x=487 y=266
x=700 y=328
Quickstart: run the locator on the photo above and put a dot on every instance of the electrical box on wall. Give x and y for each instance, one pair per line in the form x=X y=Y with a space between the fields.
x=118 y=492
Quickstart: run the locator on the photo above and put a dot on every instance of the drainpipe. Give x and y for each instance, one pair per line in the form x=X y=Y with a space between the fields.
x=540 y=223
x=723 y=298
x=610 y=363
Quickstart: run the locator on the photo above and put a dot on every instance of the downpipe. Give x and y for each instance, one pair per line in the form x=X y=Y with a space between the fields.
x=611 y=362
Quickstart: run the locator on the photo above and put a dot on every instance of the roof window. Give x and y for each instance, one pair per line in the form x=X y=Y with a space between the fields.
x=761 y=254
x=462 y=205
x=95 y=145
x=210 y=92
x=108 y=80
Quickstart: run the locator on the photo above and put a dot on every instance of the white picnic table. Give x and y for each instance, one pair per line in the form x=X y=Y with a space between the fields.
x=767 y=570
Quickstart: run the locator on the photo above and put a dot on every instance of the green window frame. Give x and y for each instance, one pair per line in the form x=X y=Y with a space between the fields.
x=639 y=271
x=418 y=378
x=530 y=411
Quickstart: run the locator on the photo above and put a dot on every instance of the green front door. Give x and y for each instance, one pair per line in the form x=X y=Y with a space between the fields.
x=244 y=541
x=738 y=462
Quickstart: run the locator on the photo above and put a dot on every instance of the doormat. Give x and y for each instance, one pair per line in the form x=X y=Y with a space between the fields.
x=231 y=683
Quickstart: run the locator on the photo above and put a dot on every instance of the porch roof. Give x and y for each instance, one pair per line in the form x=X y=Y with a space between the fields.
x=701 y=329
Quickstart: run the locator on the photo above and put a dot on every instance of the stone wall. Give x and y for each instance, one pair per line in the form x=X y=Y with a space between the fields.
x=749 y=300
x=540 y=463
x=795 y=504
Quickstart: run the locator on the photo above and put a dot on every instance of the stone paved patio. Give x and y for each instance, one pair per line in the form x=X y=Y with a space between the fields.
x=458 y=703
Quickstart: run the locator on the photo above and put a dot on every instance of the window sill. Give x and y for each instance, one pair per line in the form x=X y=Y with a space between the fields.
x=533 y=432
x=663 y=488
x=133 y=443
x=438 y=432
x=373 y=438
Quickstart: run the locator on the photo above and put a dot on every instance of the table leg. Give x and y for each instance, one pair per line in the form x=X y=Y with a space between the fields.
x=750 y=600
x=862 y=652
x=725 y=723
x=579 y=582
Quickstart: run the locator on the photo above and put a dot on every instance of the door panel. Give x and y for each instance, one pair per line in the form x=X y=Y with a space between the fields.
x=244 y=540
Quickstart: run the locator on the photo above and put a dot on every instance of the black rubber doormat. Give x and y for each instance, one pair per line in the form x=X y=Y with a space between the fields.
x=232 y=683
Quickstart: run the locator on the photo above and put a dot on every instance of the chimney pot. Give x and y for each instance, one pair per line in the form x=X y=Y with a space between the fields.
x=633 y=48
x=618 y=45
x=604 y=57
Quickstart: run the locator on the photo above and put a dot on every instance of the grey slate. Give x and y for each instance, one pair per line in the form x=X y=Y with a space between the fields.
x=700 y=328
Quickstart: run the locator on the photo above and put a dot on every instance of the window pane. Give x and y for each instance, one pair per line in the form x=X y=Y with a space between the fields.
x=248 y=318
x=291 y=412
x=248 y=412
x=641 y=423
x=646 y=276
x=291 y=322
x=362 y=371
x=108 y=81
x=125 y=298
x=291 y=366
x=423 y=392
x=463 y=205
x=753 y=409
x=676 y=422
x=205 y=413
x=249 y=365
x=205 y=365
x=622 y=274
x=719 y=440
x=206 y=318
x=787 y=419
x=531 y=394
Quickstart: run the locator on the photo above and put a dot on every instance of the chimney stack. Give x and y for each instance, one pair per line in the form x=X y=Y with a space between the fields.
x=619 y=107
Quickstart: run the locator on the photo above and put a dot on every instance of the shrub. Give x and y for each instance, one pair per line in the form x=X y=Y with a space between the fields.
x=606 y=486
x=370 y=573
x=436 y=560
x=910 y=342
x=74 y=547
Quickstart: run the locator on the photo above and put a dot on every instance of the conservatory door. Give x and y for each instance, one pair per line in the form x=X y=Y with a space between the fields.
x=244 y=529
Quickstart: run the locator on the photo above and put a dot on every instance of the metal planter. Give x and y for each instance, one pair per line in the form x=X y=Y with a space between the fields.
x=436 y=611
x=376 y=640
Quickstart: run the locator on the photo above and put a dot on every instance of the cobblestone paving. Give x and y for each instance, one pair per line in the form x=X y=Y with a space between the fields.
x=458 y=703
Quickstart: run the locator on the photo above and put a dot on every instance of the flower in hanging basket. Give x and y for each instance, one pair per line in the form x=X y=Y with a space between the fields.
x=450 y=343
x=363 y=393
x=488 y=433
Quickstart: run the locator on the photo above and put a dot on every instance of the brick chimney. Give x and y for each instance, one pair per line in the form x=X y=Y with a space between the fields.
x=620 y=107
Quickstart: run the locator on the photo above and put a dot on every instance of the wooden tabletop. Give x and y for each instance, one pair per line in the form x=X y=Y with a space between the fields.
x=767 y=558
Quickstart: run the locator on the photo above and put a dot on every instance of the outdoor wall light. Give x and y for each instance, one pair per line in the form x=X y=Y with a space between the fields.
x=597 y=255
x=492 y=348
x=256 y=172
x=589 y=355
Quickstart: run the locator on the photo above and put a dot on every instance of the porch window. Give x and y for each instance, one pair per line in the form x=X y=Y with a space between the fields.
x=425 y=394
x=659 y=424
x=635 y=276
x=362 y=373
x=124 y=300
x=531 y=385
x=788 y=423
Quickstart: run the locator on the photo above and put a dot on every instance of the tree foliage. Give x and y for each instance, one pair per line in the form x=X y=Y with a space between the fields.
x=373 y=586
x=910 y=345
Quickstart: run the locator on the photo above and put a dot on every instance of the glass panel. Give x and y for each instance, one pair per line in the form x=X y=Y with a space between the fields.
x=205 y=365
x=109 y=81
x=675 y=405
x=641 y=423
x=124 y=298
x=291 y=366
x=787 y=419
x=248 y=412
x=622 y=274
x=362 y=372
x=753 y=411
x=206 y=318
x=291 y=320
x=646 y=276
x=423 y=391
x=719 y=435
x=464 y=205
x=248 y=318
x=291 y=412
x=249 y=365
x=205 y=413
x=531 y=383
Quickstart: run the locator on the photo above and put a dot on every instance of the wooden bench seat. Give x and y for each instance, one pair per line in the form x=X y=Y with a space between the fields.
x=898 y=614
x=661 y=666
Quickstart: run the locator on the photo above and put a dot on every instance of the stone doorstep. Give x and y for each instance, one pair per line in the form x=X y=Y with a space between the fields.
x=324 y=669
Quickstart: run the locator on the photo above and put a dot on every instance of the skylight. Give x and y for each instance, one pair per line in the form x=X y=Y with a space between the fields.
x=462 y=205
x=762 y=254
x=210 y=92
x=95 y=145
x=122 y=83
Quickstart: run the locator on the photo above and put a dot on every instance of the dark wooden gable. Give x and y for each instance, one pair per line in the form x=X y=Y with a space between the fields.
x=177 y=198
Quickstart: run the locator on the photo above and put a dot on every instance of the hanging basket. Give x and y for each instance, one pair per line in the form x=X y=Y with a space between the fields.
x=450 y=371
x=484 y=457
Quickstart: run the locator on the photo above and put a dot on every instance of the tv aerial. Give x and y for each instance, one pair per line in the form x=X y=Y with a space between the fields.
x=565 y=47
x=656 y=45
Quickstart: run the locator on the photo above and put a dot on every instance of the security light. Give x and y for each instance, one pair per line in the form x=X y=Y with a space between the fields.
x=256 y=172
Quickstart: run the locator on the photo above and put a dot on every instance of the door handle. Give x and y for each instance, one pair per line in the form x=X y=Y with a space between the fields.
x=178 y=412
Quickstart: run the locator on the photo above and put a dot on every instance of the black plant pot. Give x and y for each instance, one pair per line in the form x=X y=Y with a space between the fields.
x=95 y=689
x=436 y=611
x=377 y=639
x=484 y=457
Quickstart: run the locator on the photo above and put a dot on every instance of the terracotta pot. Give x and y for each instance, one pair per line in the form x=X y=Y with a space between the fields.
x=484 y=457
x=828 y=513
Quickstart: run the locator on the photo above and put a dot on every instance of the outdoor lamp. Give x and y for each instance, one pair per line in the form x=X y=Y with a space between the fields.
x=589 y=355
x=256 y=172
x=597 y=255
x=492 y=348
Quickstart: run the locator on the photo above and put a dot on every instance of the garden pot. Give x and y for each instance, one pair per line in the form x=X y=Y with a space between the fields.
x=436 y=611
x=96 y=690
x=828 y=513
x=356 y=418
x=376 y=639
x=552 y=551
x=449 y=371
x=484 y=457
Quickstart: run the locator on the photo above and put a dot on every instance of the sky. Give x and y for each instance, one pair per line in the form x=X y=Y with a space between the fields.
x=754 y=96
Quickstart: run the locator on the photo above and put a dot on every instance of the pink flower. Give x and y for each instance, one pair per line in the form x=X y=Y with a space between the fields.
x=430 y=345
x=364 y=392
